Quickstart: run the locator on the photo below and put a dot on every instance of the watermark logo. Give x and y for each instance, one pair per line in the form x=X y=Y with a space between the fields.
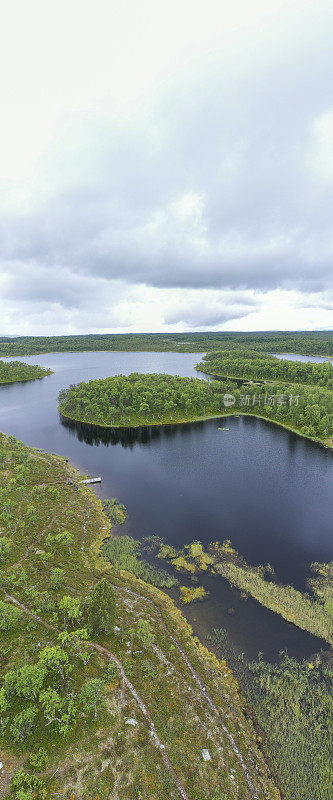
x=279 y=400
x=229 y=399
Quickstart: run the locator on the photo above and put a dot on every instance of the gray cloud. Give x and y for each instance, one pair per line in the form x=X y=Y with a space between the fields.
x=201 y=317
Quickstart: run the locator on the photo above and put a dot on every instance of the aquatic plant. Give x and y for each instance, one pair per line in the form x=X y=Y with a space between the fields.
x=293 y=703
x=188 y=594
x=124 y=554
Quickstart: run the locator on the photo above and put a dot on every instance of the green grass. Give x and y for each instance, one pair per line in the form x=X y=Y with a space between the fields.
x=294 y=706
x=124 y=553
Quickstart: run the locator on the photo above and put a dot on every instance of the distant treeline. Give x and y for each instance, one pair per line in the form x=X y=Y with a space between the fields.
x=157 y=399
x=11 y=371
x=253 y=365
x=307 y=343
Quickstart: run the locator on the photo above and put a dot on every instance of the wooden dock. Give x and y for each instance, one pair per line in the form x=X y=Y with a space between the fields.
x=91 y=480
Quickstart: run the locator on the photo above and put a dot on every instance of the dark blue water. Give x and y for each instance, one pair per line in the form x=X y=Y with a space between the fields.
x=265 y=488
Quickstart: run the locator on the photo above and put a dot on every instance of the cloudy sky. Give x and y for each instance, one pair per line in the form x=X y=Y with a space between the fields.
x=166 y=165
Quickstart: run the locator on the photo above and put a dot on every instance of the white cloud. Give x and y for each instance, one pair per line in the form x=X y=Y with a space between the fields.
x=156 y=160
x=322 y=147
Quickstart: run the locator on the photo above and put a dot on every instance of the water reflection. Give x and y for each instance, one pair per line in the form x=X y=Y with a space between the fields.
x=127 y=437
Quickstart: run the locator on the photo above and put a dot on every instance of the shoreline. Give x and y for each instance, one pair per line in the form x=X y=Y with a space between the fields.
x=253 y=379
x=147 y=350
x=24 y=380
x=324 y=443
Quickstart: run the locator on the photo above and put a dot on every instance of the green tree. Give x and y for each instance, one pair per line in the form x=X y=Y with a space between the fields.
x=70 y=607
x=29 y=680
x=102 y=607
x=9 y=683
x=39 y=759
x=24 y=786
x=56 y=660
x=57 y=709
x=76 y=641
x=23 y=723
x=5 y=548
x=145 y=633
x=3 y=707
x=65 y=538
x=93 y=696
x=57 y=578
x=9 y=616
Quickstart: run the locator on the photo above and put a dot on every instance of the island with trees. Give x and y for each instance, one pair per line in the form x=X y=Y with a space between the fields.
x=13 y=371
x=253 y=365
x=159 y=399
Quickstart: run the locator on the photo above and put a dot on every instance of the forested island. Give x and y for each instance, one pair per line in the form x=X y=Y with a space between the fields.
x=12 y=371
x=159 y=399
x=306 y=342
x=102 y=685
x=253 y=365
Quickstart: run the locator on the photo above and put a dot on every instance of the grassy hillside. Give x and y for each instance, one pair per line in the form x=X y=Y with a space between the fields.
x=104 y=691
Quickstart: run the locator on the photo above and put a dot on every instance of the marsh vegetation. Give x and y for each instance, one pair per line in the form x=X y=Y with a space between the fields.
x=293 y=707
x=310 y=611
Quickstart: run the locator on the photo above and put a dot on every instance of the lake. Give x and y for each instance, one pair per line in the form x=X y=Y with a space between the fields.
x=265 y=488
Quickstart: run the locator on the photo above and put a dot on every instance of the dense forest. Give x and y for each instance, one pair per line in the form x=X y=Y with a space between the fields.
x=153 y=399
x=11 y=371
x=253 y=365
x=308 y=343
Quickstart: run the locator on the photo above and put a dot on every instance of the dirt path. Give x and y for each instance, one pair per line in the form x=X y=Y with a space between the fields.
x=126 y=682
x=194 y=673
x=204 y=691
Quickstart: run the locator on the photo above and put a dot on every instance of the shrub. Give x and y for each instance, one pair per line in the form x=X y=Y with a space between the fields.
x=57 y=578
x=9 y=616
x=23 y=723
x=92 y=696
x=102 y=607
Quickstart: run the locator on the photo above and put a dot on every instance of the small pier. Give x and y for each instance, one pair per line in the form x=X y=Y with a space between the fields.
x=92 y=480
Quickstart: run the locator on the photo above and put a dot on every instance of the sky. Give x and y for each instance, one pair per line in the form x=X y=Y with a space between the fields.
x=166 y=166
